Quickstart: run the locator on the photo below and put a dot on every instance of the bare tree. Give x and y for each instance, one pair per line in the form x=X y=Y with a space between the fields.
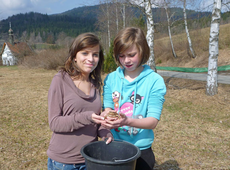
x=108 y=22
x=147 y=4
x=212 y=87
x=123 y=12
x=187 y=31
x=111 y=18
x=169 y=27
x=150 y=32
x=117 y=20
x=150 y=28
x=120 y=6
x=104 y=23
x=225 y=5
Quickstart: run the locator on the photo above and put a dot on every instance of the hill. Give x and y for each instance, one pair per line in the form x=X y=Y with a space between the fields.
x=36 y=22
x=75 y=21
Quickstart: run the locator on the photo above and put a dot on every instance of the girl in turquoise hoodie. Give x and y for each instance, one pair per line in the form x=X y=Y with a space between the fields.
x=136 y=92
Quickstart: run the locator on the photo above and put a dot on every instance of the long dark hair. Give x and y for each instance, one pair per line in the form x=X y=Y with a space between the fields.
x=81 y=42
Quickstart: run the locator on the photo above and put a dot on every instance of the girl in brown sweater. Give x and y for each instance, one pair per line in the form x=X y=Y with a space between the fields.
x=74 y=104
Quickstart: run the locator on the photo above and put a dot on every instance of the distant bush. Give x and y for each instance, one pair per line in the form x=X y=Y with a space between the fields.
x=47 y=59
x=51 y=59
x=41 y=46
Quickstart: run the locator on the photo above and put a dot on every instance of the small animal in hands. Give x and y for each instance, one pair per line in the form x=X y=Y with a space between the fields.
x=113 y=115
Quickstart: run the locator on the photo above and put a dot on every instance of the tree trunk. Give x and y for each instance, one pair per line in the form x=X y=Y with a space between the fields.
x=117 y=22
x=187 y=31
x=123 y=14
x=150 y=33
x=108 y=23
x=212 y=87
x=169 y=30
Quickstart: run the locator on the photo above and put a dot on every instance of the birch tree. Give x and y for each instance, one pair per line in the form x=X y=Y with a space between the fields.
x=150 y=32
x=123 y=14
x=169 y=28
x=108 y=22
x=117 y=20
x=147 y=4
x=112 y=16
x=212 y=87
x=104 y=24
x=187 y=31
x=122 y=6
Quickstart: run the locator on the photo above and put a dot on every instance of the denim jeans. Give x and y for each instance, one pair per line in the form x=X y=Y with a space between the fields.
x=54 y=165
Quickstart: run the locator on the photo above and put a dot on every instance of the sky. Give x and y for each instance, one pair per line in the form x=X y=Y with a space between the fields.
x=13 y=7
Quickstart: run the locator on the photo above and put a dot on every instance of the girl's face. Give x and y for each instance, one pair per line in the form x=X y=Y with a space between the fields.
x=87 y=59
x=130 y=59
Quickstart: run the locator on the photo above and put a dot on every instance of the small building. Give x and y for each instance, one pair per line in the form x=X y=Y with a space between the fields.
x=12 y=51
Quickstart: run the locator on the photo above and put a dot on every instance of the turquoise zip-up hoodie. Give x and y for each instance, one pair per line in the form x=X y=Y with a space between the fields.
x=141 y=98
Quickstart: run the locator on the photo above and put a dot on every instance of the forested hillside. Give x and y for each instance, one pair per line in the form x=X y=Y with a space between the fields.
x=43 y=23
x=60 y=28
x=73 y=22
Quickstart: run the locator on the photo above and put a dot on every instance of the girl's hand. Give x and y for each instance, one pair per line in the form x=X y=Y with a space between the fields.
x=106 y=112
x=108 y=140
x=115 y=123
x=97 y=118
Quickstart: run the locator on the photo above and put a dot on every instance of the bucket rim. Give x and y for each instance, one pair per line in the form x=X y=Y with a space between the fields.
x=137 y=155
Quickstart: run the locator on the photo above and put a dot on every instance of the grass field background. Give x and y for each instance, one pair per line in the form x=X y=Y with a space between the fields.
x=193 y=132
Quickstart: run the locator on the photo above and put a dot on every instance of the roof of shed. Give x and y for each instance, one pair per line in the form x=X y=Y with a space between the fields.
x=19 y=48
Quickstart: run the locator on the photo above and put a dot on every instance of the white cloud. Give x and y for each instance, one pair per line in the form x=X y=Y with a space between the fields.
x=15 y=4
x=12 y=7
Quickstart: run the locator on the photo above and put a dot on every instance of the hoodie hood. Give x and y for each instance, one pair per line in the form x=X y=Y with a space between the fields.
x=146 y=71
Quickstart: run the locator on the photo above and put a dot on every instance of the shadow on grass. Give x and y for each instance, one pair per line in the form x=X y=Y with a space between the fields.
x=167 y=165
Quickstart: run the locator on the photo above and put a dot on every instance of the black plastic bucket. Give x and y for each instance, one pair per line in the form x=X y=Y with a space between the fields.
x=117 y=155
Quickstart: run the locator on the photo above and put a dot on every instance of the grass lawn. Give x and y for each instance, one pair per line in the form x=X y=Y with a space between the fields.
x=193 y=132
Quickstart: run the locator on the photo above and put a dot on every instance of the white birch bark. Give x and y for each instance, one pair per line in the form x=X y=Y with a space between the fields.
x=108 y=23
x=169 y=30
x=117 y=21
x=123 y=14
x=212 y=87
x=187 y=31
x=150 y=33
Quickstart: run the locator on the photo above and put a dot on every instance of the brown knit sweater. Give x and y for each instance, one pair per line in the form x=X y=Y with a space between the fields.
x=70 y=119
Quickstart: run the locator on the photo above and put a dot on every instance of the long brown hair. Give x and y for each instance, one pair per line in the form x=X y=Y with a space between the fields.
x=126 y=38
x=81 y=42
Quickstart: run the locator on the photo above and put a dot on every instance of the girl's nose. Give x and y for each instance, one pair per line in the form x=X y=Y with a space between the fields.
x=127 y=59
x=90 y=57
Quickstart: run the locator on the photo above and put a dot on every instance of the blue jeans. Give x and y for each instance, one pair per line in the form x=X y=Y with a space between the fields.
x=54 y=165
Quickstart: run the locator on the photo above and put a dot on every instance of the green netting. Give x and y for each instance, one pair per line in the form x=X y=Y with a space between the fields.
x=195 y=70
